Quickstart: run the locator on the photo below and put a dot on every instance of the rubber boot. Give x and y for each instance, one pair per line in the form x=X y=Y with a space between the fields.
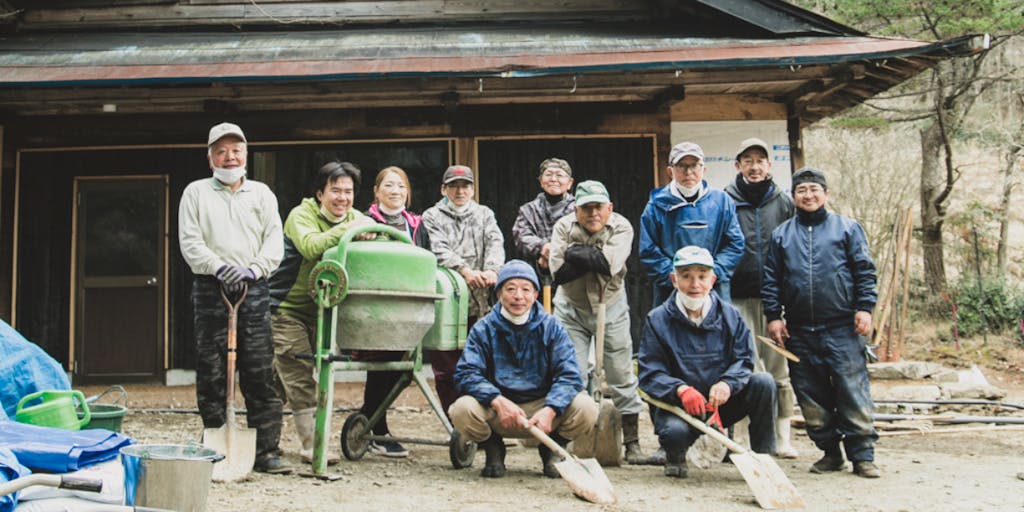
x=549 y=458
x=631 y=439
x=305 y=427
x=784 y=449
x=494 y=449
x=675 y=465
x=268 y=458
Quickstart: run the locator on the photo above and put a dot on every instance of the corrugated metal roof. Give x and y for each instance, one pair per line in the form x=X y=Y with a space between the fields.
x=124 y=59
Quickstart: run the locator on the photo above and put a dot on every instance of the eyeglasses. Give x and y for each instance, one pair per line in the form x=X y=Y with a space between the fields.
x=692 y=168
x=558 y=175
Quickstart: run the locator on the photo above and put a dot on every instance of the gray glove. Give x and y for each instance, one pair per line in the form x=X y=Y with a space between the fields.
x=234 y=274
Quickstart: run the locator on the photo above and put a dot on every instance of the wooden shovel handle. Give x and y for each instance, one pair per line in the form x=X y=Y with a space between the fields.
x=543 y=438
x=232 y=342
x=695 y=423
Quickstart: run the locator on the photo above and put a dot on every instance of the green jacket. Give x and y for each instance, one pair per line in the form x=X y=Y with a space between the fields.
x=312 y=235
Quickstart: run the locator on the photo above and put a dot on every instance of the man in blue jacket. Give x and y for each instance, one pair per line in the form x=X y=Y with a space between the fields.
x=696 y=351
x=519 y=363
x=688 y=212
x=820 y=276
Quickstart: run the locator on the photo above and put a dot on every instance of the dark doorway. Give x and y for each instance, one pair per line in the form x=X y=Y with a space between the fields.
x=120 y=277
x=508 y=178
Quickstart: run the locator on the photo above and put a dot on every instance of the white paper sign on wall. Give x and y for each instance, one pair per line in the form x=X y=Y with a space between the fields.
x=719 y=140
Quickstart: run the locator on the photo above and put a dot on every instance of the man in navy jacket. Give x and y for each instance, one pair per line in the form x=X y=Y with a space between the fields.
x=696 y=351
x=819 y=275
x=519 y=363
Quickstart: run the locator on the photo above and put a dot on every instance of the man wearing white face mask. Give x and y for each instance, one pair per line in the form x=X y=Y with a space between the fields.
x=688 y=212
x=230 y=236
x=696 y=352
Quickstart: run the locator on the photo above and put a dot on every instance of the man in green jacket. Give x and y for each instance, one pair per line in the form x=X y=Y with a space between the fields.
x=312 y=227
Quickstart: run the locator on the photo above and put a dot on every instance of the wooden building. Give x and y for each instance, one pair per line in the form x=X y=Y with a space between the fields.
x=105 y=105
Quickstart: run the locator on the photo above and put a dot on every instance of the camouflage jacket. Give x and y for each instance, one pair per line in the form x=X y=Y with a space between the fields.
x=468 y=239
x=533 y=224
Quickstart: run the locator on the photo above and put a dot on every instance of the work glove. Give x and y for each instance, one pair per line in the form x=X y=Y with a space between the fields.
x=234 y=274
x=715 y=420
x=693 y=401
x=588 y=257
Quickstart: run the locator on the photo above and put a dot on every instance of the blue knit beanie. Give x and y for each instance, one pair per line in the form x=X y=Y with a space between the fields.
x=517 y=269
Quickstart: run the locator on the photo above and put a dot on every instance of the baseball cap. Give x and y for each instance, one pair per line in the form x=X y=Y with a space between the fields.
x=591 y=191
x=224 y=129
x=457 y=172
x=693 y=255
x=685 y=149
x=754 y=142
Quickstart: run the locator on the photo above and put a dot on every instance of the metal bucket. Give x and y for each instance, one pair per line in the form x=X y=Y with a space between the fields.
x=170 y=476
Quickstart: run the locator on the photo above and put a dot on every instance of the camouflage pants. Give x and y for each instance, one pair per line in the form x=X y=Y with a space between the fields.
x=254 y=363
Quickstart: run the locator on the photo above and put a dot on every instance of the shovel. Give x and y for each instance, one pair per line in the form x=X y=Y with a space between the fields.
x=771 y=487
x=604 y=442
x=237 y=444
x=585 y=477
x=778 y=348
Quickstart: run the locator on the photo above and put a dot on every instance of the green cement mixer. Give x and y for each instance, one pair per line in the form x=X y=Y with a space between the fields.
x=384 y=294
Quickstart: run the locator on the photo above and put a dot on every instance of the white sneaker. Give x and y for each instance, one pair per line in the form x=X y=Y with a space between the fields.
x=389 y=449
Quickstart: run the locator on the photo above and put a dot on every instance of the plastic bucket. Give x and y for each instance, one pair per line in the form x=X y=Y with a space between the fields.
x=170 y=476
x=55 y=409
x=110 y=415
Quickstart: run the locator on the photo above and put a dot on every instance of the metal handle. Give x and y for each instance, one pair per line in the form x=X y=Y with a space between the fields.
x=151 y=281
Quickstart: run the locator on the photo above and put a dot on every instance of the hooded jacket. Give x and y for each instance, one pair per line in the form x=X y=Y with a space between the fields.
x=413 y=223
x=819 y=275
x=674 y=351
x=520 y=362
x=670 y=223
x=468 y=239
x=757 y=223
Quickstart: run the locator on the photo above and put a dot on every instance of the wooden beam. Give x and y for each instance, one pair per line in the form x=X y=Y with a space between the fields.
x=726 y=108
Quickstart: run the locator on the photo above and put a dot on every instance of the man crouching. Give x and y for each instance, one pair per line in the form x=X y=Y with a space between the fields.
x=519 y=363
x=696 y=346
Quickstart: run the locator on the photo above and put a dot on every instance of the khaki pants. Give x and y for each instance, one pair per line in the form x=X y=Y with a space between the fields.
x=477 y=422
x=294 y=377
x=768 y=360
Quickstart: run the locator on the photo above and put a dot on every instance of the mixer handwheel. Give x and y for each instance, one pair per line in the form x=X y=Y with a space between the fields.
x=461 y=451
x=353 y=441
x=332 y=278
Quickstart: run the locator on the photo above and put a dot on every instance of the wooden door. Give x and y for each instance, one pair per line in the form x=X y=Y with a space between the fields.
x=119 y=241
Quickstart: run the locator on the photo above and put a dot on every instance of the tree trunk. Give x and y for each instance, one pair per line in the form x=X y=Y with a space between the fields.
x=933 y=184
x=1004 y=207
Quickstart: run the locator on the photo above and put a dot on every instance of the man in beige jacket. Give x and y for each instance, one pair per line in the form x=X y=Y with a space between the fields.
x=588 y=259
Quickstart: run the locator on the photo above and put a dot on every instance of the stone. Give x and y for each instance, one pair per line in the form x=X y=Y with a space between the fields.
x=903 y=370
x=945 y=375
x=959 y=390
x=912 y=392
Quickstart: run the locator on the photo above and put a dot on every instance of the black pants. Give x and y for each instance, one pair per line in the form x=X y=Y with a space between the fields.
x=254 y=363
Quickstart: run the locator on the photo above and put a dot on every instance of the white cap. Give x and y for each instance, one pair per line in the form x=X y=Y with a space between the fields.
x=693 y=255
x=223 y=130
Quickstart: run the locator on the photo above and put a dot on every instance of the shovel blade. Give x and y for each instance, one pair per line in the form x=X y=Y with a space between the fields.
x=604 y=441
x=239 y=449
x=587 y=480
x=771 y=487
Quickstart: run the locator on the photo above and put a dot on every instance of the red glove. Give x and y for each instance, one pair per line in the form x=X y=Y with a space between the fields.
x=693 y=401
x=715 y=420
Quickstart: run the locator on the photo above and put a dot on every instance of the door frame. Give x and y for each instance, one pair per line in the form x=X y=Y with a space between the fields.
x=164 y=329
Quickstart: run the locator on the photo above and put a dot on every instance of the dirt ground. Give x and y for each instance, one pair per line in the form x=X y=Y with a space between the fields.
x=981 y=471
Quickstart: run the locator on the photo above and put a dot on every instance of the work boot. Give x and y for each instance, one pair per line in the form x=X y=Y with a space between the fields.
x=271 y=463
x=675 y=465
x=783 y=448
x=549 y=458
x=831 y=462
x=866 y=469
x=631 y=439
x=305 y=427
x=494 y=448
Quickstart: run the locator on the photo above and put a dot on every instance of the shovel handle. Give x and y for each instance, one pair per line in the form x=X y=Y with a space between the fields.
x=694 y=422
x=232 y=343
x=543 y=438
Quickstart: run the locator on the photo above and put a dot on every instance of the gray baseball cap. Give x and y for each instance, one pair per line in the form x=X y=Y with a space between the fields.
x=684 y=149
x=223 y=130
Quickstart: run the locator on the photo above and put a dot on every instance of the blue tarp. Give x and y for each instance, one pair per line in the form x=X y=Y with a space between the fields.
x=10 y=469
x=59 y=451
x=25 y=369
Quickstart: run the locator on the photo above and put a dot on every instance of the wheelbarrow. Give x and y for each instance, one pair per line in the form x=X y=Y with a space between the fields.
x=384 y=294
